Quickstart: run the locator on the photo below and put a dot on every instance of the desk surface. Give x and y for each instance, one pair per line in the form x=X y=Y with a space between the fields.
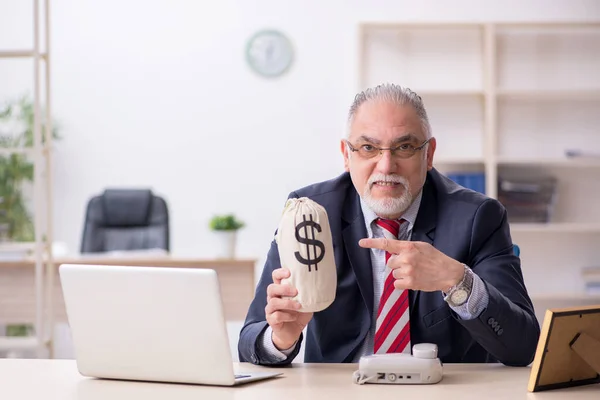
x=59 y=379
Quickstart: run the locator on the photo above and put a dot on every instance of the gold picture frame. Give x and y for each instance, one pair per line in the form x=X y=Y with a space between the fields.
x=568 y=351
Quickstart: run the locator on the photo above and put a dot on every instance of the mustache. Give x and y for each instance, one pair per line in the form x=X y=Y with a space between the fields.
x=387 y=178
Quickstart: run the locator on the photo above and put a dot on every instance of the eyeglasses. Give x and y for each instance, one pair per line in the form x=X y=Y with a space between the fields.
x=368 y=151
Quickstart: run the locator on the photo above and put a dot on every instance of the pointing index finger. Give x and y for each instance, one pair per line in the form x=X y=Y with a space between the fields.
x=391 y=246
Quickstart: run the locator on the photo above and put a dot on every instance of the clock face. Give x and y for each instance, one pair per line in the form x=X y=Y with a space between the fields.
x=269 y=53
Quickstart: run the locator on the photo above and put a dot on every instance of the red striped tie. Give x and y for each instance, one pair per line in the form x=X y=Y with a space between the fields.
x=392 y=333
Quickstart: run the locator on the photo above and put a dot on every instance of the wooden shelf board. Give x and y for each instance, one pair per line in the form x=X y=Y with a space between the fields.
x=555 y=227
x=18 y=246
x=17 y=150
x=18 y=343
x=547 y=24
x=575 y=162
x=577 y=296
x=546 y=28
x=542 y=27
x=447 y=92
x=20 y=54
x=457 y=161
x=419 y=25
x=550 y=95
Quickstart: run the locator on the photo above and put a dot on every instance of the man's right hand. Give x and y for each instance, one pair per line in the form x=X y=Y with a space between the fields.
x=282 y=314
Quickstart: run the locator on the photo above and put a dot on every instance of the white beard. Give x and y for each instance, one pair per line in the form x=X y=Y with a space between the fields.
x=388 y=206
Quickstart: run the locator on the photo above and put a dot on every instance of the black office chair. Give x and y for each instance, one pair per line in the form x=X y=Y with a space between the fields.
x=125 y=219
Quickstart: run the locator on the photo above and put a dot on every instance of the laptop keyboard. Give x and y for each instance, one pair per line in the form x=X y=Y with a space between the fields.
x=242 y=376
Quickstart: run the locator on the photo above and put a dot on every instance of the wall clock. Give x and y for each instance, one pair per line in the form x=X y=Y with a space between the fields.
x=269 y=53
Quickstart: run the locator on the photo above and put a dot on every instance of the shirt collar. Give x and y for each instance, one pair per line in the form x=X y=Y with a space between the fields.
x=409 y=215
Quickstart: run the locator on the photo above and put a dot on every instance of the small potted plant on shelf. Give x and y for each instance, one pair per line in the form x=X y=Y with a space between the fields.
x=226 y=227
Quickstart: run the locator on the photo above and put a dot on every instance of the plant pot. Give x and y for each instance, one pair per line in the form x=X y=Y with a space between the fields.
x=225 y=244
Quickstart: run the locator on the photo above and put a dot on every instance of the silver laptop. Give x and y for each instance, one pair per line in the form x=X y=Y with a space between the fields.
x=150 y=324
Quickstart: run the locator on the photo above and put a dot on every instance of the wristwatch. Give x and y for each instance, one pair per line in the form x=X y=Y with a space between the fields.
x=459 y=293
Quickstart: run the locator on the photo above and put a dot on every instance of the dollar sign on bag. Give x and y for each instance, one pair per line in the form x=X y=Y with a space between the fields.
x=310 y=242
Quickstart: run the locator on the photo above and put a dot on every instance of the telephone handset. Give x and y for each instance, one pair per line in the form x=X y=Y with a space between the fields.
x=422 y=367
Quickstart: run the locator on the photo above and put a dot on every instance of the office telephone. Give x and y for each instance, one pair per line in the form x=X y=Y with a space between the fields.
x=422 y=367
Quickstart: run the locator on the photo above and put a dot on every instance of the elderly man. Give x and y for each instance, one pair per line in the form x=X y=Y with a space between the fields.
x=419 y=258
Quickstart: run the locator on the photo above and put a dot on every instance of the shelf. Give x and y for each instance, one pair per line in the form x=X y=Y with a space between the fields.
x=17 y=252
x=20 y=54
x=418 y=25
x=414 y=55
x=566 y=296
x=458 y=161
x=17 y=246
x=16 y=150
x=35 y=59
x=18 y=343
x=510 y=100
x=554 y=227
x=550 y=95
x=447 y=93
x=546 y=129
x=549 y=27
x=575 y=162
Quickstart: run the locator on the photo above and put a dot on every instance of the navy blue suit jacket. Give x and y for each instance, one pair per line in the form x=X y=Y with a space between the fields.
x=461 y=223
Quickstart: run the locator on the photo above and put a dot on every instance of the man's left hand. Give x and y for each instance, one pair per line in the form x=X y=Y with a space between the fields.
x=418 y=265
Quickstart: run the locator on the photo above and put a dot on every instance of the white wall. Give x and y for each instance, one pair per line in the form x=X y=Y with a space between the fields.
x=157 y=93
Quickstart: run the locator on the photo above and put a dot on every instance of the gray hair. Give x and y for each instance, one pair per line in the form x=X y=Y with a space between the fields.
x=395 y=94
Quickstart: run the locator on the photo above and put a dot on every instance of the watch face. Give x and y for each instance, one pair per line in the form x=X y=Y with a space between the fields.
x=269 y=53
x=459 y=297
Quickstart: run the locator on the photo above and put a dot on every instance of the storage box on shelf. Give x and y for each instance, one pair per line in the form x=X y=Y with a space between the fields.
x=529 y=200
x=577 y=193
x=511 y=100
x=591 y=277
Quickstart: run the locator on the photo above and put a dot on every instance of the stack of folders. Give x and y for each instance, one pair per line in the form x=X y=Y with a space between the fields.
x=528 y=200
x=591 y=277
x=470 y=180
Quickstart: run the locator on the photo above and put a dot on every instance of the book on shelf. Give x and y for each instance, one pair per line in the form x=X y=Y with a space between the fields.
x=578 y=153
x=591 y=273
x=470 y=180
x=592 y=288
x=591 y=278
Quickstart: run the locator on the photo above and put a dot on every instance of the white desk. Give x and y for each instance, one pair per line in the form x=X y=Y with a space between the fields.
x=59 y=379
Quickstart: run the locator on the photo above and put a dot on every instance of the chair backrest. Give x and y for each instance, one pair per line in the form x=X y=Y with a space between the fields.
x=125 y=219
x=517 y=250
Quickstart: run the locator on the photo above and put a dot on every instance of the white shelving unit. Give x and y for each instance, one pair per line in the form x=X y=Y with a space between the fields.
x=41 y=156
x=509 y=99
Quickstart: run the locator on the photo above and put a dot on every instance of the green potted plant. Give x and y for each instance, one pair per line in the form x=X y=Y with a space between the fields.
x=16 y=169
x=226 y=227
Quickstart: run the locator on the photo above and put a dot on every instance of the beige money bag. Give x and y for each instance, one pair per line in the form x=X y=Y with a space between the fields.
x=306 y=249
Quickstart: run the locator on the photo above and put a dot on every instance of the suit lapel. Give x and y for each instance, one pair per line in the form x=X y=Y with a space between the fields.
x=360 y=258
x=424 y=230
